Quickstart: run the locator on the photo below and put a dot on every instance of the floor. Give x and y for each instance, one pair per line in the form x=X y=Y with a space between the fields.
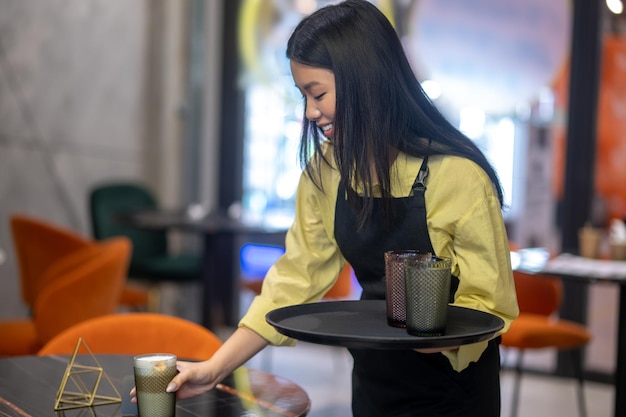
x=324 y=372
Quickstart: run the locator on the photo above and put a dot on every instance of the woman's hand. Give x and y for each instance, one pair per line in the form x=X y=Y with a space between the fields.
x=193 y=378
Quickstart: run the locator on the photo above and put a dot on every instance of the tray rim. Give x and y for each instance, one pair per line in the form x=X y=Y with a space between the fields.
x=403 y=341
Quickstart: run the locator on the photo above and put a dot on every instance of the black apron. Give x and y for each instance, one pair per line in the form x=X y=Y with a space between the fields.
x=405 y=383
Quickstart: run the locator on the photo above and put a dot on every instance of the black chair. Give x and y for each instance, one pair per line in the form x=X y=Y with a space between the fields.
x=152 y=260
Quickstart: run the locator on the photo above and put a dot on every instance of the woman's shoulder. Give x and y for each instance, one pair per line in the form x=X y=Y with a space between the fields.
x=458 y=173
x=328 y=151
x=323 y=162
x=456 y=165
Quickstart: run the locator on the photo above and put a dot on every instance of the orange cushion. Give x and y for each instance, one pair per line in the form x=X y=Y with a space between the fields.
x=533 y=331
x=254 y=286
x=137 y=333
x=133 y=295
x=18 y=337
x=343 y=285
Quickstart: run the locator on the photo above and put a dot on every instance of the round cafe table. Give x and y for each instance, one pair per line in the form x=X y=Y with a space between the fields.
x=30 y=383
x=585 y=271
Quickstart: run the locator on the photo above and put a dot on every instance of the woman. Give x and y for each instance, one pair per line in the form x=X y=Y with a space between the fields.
x=385 y=171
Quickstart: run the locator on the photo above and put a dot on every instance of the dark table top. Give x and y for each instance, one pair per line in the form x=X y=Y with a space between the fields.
x=215 y=222
x=591 y=269
x=569 y=266
x=29 y=384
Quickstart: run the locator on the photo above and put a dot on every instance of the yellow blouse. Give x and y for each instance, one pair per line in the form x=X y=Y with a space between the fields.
x=464 y=222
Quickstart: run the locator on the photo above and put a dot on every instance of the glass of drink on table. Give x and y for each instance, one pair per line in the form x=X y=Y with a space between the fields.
x=153 y=372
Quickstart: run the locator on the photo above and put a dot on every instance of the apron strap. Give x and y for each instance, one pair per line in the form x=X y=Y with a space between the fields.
x=420 y=181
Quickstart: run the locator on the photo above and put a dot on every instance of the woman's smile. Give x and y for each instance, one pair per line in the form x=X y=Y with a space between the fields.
x=327 y=130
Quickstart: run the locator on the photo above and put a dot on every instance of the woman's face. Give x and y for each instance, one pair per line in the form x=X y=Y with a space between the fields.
x=317 y=86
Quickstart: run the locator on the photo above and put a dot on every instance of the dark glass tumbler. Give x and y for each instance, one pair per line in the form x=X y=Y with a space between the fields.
x=394 y=283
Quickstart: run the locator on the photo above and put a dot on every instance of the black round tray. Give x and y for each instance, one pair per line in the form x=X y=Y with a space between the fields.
x=363 y=324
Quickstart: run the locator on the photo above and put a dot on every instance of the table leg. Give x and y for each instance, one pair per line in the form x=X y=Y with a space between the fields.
x=575 y=308
x=220 y=285
x=229 y=280
x=208 y=265
x=620 y=370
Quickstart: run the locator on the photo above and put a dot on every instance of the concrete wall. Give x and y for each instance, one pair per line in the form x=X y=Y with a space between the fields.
x=90 y=91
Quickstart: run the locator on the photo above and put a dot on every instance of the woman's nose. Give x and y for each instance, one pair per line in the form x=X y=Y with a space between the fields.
x=312 y=112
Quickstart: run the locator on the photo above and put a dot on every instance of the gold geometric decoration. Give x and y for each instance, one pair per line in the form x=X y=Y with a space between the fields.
x=80 y=384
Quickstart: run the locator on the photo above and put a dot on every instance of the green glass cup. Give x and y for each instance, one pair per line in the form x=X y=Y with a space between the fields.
x=427 y=291
x=153 y=373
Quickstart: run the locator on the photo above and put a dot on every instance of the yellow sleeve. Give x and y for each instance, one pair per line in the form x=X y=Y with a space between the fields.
x=310 y=265
x=466 y=224
x=485 y=282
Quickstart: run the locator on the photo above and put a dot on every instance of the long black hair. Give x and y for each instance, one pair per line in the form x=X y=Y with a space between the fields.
x=380 y=105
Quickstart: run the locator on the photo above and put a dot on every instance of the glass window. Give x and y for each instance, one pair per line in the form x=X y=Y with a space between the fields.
x=482 y=62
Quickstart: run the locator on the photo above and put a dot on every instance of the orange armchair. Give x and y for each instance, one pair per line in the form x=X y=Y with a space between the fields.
x=539 y=298
x=342 y=288
x=82 y=285
x=137 y=333
x=38 y=244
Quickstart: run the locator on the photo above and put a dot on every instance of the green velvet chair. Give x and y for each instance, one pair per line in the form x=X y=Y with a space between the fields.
x=152 y=260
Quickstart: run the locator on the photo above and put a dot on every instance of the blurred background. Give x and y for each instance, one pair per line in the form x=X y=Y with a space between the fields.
x=194 y=99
